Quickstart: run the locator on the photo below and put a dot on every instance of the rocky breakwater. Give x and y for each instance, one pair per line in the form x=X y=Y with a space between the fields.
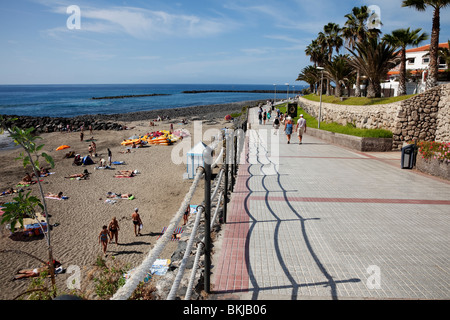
x=49 y=124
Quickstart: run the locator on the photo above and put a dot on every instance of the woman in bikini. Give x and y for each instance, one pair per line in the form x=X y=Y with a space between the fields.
x=103 y=238
x=114 y=230
x=186 y=215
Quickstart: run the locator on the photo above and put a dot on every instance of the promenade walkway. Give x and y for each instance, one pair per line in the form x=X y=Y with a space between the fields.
x=318 y=221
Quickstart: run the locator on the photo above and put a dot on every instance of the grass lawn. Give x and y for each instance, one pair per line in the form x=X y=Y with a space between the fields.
x=349 y=129
x=354 y=101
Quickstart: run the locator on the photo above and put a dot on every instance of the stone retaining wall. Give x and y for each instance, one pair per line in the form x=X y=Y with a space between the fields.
x=357 y=143
x=422 y=117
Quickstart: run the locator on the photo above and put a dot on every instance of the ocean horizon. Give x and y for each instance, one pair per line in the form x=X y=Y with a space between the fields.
x=70 y=100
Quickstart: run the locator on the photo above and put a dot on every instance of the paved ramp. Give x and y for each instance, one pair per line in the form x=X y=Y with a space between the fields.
x=318 y=221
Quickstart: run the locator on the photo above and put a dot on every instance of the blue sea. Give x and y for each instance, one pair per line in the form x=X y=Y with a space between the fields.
x=74 y=100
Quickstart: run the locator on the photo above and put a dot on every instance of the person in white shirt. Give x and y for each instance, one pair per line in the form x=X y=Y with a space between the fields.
x=301 y=128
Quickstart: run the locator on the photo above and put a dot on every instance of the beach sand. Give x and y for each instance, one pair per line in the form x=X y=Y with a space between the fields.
x=159 y=190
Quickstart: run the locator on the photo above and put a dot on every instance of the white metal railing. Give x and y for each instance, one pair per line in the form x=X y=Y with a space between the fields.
x=141 y=272
x=181 y=270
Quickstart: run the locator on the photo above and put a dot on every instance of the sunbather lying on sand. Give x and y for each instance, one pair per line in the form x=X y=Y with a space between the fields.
x=83 y=175
x=125 y=173
x=30 y=273
x=26 y=180
x=9 y=191
x=117 y=195
x=52 y=195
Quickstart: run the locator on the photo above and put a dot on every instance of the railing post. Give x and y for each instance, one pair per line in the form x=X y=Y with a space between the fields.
x=207 y=157
x=225 y=194
x=235 y=140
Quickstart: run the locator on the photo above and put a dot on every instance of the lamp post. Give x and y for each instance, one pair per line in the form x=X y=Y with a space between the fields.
x=275 y=98
x=321 y=89
x=287 y=94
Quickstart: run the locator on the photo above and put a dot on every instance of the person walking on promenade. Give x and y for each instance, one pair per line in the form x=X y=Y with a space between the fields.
x=288 y=126
x=114 y=230
x=264 y=116
x=301 y=128
x=137 y=222
x=103 y=239
x=276 y=125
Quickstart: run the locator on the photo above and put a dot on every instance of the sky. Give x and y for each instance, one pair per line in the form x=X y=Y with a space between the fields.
x=176 y=42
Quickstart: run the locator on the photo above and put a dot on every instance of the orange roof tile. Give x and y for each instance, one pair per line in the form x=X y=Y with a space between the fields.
x=427 y=47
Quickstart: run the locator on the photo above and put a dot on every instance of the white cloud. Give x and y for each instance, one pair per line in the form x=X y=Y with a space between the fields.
x=143 y=23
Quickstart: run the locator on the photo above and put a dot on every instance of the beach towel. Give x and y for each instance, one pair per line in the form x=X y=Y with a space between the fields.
x=46 y=175
x=112 y=195
x=56 y=198
x=160 y=267
x=118 y=162
x=178 y=230
x=27 y=185
x=193 y=209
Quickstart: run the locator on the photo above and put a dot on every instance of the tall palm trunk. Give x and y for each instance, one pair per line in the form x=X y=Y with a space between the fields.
x=358 y=84
x=374 y=89
x=402 y=81
x=433 y=66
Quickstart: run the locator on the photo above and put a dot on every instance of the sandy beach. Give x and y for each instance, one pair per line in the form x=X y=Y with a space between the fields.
x=159 y=189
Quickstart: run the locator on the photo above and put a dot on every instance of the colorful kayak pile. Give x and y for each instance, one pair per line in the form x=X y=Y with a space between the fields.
x=163 y=137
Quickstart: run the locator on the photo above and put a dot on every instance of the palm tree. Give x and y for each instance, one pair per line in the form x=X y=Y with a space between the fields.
x=316 y=53
x=310 y=75
x=403 y=38
x=339 y=70
x=354 y=31
x=374 y=58
x=331 y=39
x=437 y=5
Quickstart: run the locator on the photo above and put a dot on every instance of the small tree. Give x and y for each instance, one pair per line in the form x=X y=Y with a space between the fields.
x=374 y=58
x=25 y=205
x=339 y=70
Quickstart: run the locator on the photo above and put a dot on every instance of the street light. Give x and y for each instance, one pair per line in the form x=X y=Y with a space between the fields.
x=287 y=94
x=275 y=98
x=320 y=105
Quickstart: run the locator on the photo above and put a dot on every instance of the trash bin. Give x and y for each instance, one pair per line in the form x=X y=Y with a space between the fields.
x=408 y=156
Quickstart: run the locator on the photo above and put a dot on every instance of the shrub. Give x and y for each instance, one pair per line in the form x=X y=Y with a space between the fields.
x=434 y=150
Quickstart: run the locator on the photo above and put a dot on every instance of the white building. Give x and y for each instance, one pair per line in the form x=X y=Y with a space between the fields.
x=417 y=62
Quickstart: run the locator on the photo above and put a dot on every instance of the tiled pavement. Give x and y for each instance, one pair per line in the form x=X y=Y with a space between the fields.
x=318 y=221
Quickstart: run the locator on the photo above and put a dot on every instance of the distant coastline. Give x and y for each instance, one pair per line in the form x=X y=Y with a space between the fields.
x=235 y=91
